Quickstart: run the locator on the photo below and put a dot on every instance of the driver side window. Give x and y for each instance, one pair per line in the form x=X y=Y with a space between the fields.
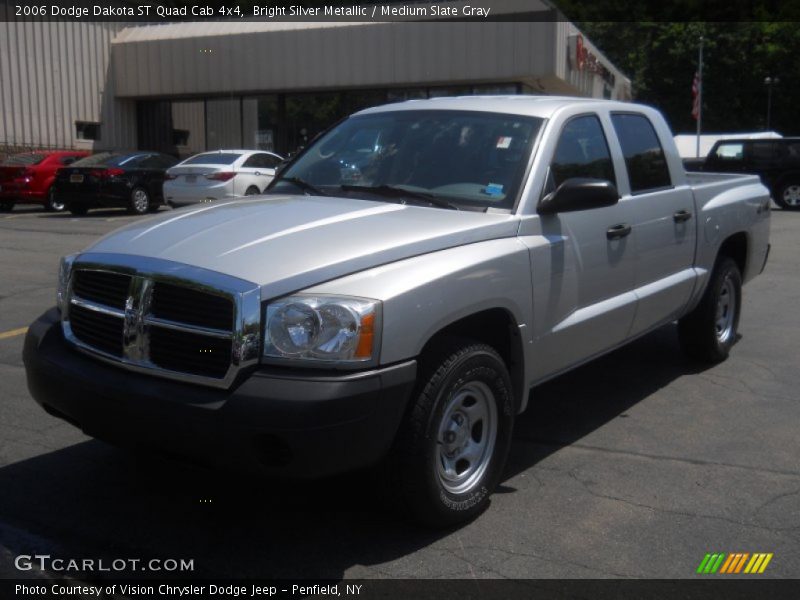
x=582 y=151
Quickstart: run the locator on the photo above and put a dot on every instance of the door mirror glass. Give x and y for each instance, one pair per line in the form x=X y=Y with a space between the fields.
x=579 y=193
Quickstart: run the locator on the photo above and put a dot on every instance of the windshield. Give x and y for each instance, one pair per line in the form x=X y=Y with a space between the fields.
x=23 y=160
x=214 y=158
x=470 y=159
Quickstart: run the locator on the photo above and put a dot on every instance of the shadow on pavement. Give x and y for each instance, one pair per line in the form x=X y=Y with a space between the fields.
x=94 y=500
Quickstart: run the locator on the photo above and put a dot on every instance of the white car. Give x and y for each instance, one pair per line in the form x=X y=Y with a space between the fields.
x=219 y=175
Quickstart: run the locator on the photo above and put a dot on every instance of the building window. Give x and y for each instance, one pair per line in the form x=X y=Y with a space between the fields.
x=180 y=137
x=84 y=130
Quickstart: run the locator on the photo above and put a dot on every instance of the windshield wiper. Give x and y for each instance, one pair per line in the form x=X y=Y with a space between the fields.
x=303 y=185
x=392 y=191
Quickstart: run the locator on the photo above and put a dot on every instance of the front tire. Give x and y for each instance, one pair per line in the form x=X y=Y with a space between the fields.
x=140 y=201
x=451 y=449
x=53 y=204
x=788 y=196
x=708 y=333
x=6 y=206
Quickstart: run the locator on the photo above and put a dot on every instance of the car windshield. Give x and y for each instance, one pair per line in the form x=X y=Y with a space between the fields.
x=212 y=158
x=23 y=160
x=468 y=159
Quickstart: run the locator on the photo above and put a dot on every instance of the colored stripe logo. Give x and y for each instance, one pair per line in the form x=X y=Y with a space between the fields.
x=734 y=563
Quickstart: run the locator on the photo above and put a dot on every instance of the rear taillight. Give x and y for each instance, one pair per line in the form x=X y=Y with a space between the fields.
x=221 y=176
x=170 y=177
x=106 y=173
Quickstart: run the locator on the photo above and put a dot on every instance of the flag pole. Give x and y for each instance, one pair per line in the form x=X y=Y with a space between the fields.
x=699 y=98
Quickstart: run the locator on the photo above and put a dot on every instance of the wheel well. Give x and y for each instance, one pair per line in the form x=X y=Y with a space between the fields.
x=497 y=328
x=735 y=247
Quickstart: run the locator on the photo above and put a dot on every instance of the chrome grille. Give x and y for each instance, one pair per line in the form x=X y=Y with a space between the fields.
x=202 y=327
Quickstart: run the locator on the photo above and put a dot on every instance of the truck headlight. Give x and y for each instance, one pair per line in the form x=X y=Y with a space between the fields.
x=64 y=270
x=326 y=329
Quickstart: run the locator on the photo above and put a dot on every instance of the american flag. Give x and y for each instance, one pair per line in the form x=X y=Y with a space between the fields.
x=696 y=96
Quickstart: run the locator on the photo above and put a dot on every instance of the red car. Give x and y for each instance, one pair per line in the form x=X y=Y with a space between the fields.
x=28 y=177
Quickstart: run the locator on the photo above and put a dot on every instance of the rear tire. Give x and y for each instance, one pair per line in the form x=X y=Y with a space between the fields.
x=6 y=206
x=451 y=449
x=252 y=191
x=788 y=196
x=78 y=211
x=139 y=203
x=52 y=204
x=708 y=333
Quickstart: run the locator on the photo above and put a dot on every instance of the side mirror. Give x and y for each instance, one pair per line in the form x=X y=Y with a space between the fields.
x=579 y=193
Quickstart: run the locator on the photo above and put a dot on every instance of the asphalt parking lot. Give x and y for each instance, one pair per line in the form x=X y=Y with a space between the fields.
x=635 y=465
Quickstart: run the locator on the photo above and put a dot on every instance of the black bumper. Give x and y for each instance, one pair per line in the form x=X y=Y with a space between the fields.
x=279 y=422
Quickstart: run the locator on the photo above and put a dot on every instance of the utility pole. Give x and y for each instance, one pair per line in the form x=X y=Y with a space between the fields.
x=699 y=97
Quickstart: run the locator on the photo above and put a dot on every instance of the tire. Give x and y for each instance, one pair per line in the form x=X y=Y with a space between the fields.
x=252 y=191
x=6 y=206
x=449 y=454
x=52 y=204
x=78 y=211
x=788 y=196
x=708 y=333
x=139 y=203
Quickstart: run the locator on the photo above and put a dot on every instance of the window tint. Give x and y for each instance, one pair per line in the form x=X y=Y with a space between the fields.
x=23 y=160
x=213 y=158
x=733 y=151
x=762 y=150
x=793 y=150
x=258 y=161
x=273 y=161
x=644 y=157
x=582 y=151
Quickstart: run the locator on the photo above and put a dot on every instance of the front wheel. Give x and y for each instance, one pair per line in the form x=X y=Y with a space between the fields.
x=140 y=201
x=788 y=196
x=451 y=449
x=53 y=204
x=708 y=333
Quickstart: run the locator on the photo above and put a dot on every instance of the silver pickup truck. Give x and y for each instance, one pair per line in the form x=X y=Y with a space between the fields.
x=398 y=291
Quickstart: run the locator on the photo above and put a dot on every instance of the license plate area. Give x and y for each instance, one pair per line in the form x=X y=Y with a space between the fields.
x=191 y=178
x=76 y=178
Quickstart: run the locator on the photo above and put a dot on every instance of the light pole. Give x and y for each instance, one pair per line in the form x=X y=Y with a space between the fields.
x=769 y=82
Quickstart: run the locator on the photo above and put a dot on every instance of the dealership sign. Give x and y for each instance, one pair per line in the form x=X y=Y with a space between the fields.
x=583 y=59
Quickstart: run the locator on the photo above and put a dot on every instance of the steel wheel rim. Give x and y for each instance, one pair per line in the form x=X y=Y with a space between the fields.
x=466 y=437
x=726 y=311
x=140 y=200
x=791 y=195
x=55 y=205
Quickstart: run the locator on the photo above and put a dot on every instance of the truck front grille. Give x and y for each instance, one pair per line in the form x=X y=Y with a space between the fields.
x=162 y=324
x=97 y=329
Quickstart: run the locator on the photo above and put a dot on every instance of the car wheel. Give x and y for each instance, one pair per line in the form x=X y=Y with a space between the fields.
x=78 y=211
x=452 y=446
x=789 y=196
x=140 y=201
x=6 y=206
x=708 y=333
x=53 y=204
x=252 y=191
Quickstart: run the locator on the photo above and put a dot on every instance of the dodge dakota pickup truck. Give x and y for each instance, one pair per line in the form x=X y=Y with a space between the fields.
x=397 y=293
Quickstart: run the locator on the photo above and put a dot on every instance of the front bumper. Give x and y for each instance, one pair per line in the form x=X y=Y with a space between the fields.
x=283 y=423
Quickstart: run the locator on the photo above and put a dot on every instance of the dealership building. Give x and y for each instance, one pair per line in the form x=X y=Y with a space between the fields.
x=185 y=87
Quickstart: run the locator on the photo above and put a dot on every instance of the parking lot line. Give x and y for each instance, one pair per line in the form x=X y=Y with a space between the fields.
x=13 y=333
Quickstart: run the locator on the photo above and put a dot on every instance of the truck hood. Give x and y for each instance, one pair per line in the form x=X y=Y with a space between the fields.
x=287 y=243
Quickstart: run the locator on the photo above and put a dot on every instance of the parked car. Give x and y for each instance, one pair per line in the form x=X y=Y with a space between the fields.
x=29 y=177
x=489 y=244
x=220 y=175
x=776 y=161
x=132 y=180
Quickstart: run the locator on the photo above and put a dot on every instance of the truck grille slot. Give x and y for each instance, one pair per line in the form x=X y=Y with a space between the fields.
x=104 y=287
x=186 y=352
x=96 y=329
x=194 y=307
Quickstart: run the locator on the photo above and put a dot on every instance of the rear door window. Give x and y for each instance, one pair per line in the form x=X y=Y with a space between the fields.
x=729 y=152
x=644 y=156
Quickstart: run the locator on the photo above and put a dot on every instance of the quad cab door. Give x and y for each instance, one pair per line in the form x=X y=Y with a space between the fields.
x=582 y=261
x=663 y=221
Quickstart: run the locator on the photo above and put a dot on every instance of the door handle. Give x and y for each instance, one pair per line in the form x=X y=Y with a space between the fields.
x=618 y=231
x=681 y=216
